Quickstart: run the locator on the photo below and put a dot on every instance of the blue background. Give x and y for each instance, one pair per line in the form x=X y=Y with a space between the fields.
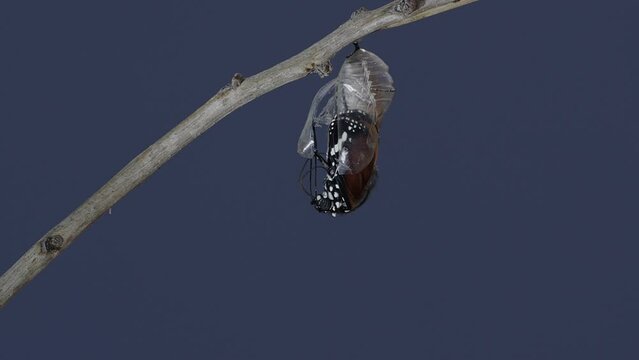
x=503 y=225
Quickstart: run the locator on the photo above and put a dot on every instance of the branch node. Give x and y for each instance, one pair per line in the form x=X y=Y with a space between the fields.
x=407 y=7
x=236 y=80
x=323 y=69
x=53 y=243
x=357 y=13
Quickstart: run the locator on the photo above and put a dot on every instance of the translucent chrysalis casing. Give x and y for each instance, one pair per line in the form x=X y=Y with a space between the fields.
x=351 y=107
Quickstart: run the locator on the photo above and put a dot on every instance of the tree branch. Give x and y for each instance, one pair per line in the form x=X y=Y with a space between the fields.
x=241 y=91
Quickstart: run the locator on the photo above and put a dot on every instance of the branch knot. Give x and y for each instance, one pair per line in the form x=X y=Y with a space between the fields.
x=407 y=7
x=53 y=243
x=236 y=80
x=323 y=69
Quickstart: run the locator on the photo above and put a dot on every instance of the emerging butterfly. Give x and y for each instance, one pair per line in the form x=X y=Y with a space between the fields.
x=351 y=106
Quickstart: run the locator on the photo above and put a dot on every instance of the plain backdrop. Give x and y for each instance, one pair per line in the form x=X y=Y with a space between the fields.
x=503 y=225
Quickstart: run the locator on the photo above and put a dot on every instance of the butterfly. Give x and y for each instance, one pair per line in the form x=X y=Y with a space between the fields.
x=348 y=111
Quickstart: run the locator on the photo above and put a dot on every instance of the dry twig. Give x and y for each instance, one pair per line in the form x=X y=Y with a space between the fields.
x=315 y=59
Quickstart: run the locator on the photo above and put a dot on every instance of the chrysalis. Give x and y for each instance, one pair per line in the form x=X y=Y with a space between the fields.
x=350 y=108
